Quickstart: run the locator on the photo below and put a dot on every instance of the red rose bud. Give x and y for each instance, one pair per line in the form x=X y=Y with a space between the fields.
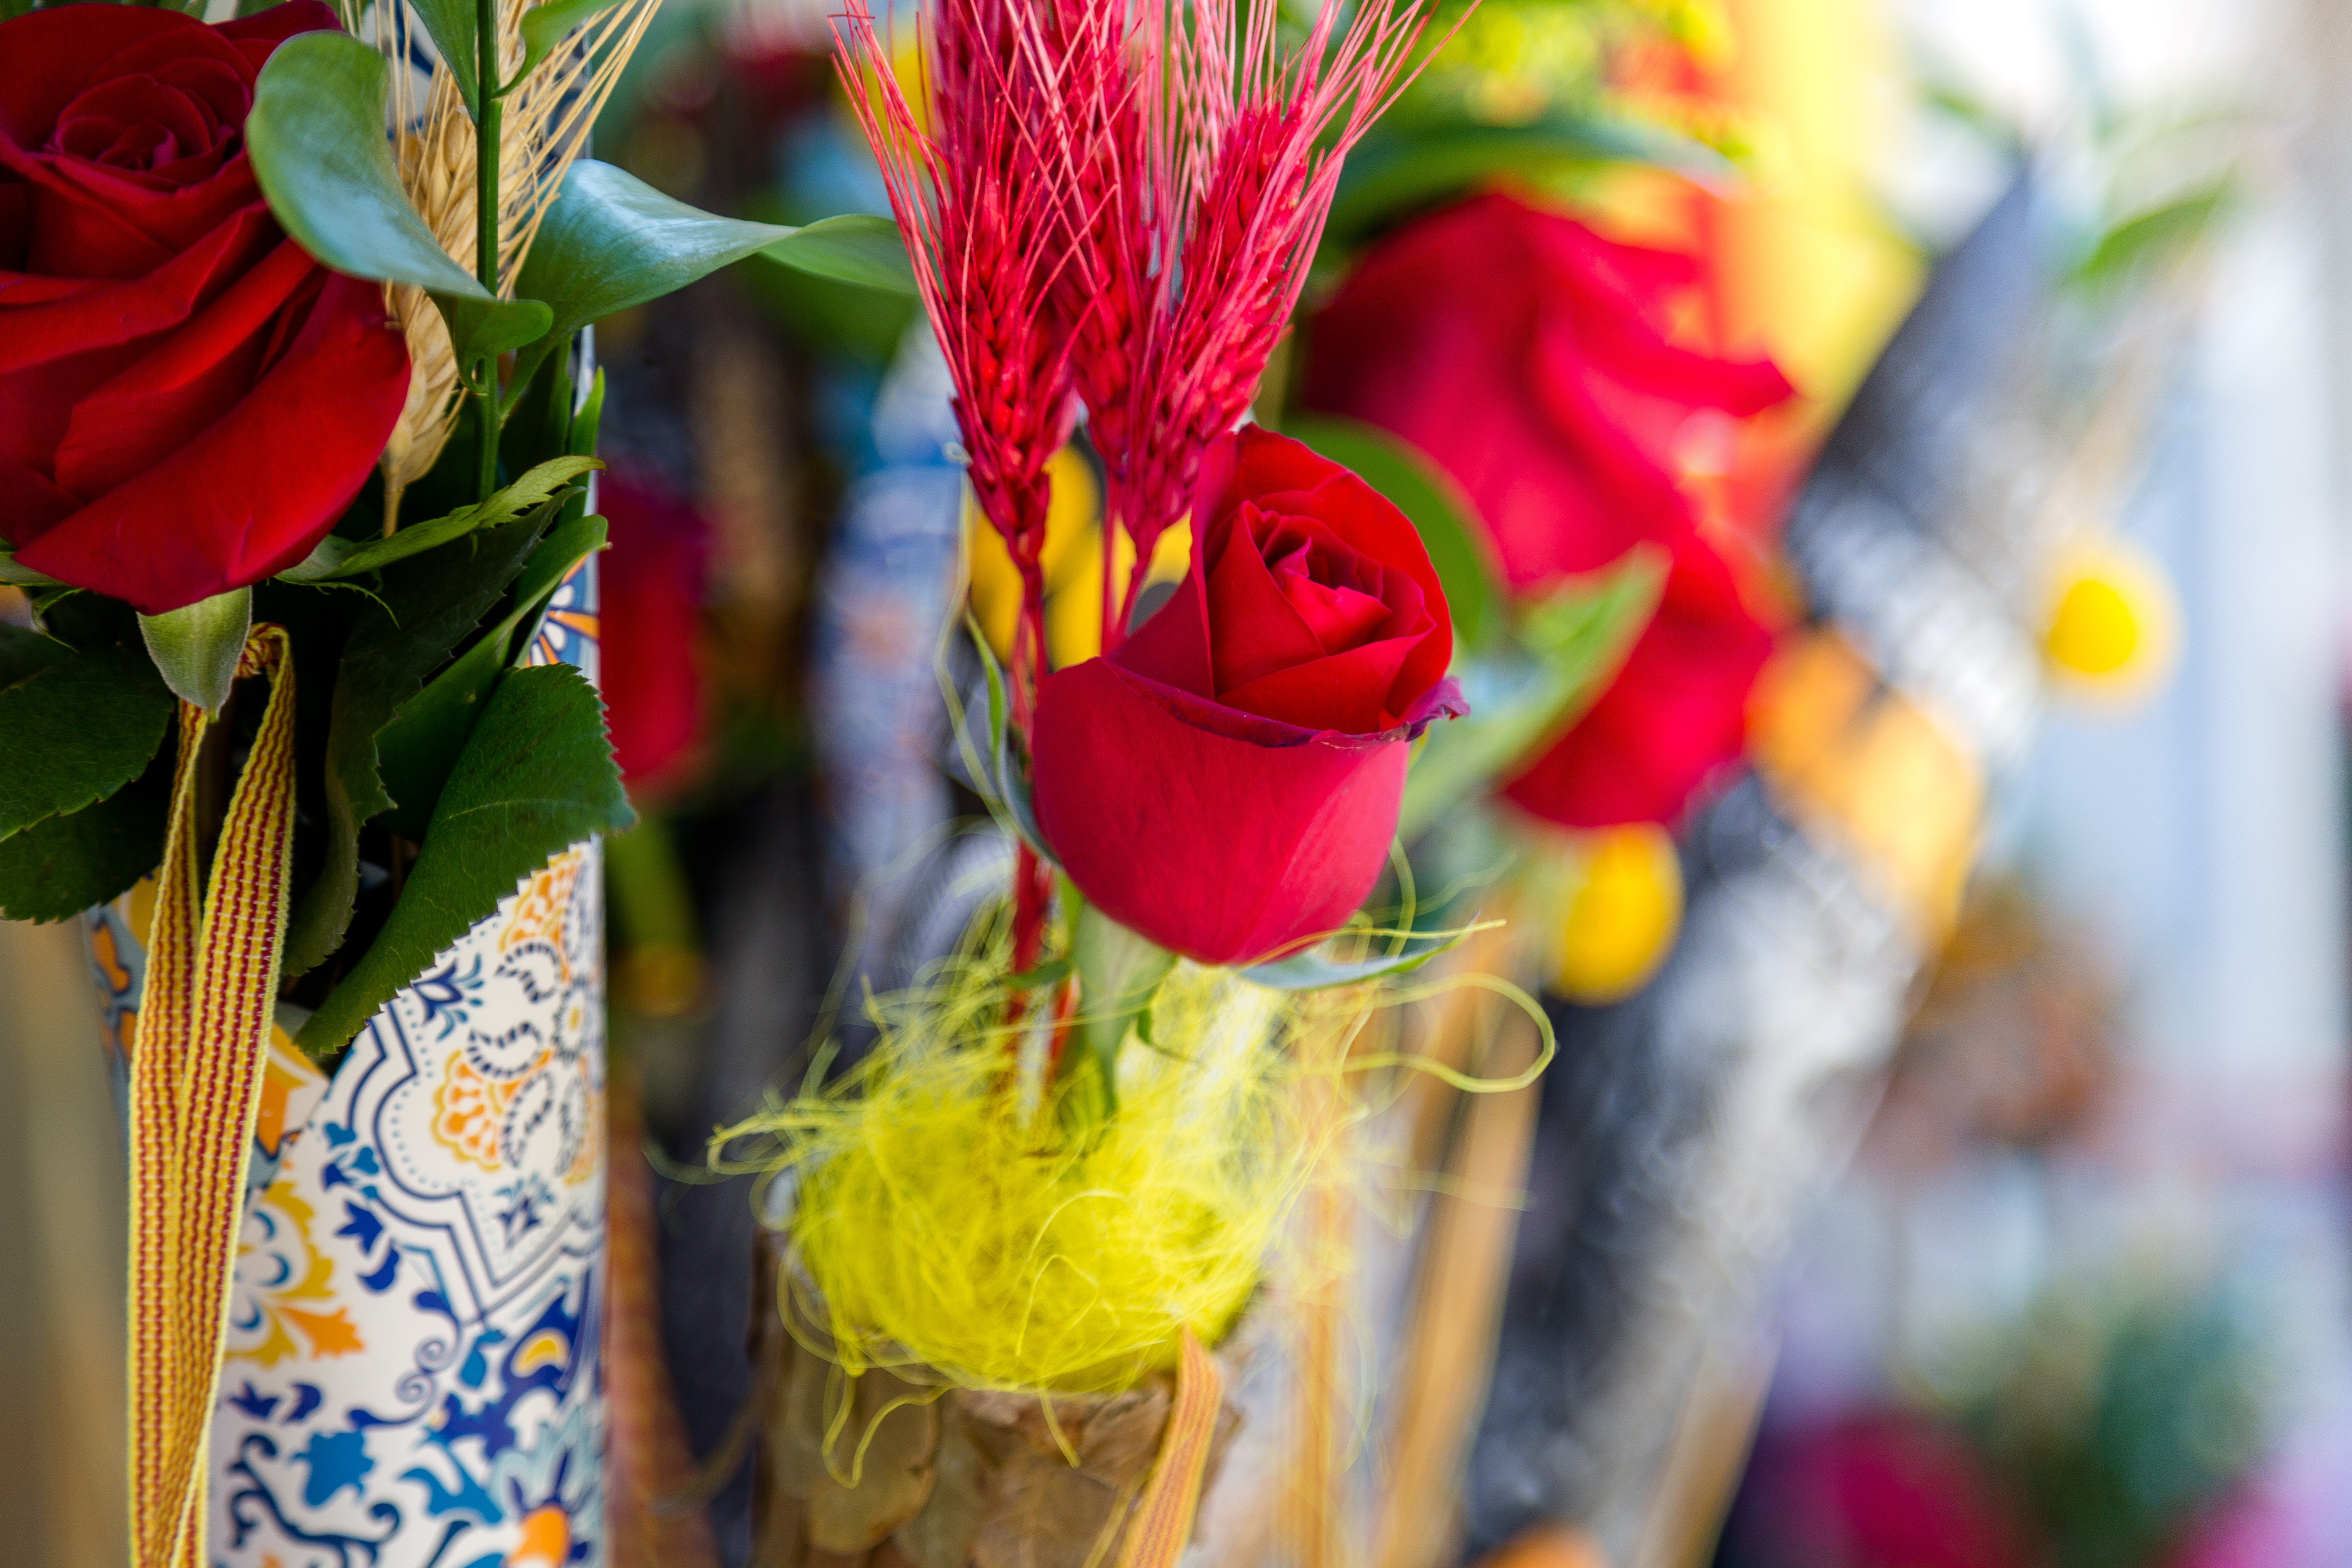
x=187 y=400
x=1527 y=357
x=1675 y=715
x=1227 y=782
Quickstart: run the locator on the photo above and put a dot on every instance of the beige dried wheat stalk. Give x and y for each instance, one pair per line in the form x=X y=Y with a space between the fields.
x=547 y=122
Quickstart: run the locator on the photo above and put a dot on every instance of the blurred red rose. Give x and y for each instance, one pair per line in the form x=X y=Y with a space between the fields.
x=187 y=400
x=1877 y=1491
x=1226 y=782
x=1528 y=357
x=652 y=582
x=1675 y=715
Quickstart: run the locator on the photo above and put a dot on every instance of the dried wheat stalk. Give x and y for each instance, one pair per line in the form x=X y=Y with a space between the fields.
x=547 y=122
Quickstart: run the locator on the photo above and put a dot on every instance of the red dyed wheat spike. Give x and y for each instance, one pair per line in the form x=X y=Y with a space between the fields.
x=981 y=202
x=1209 y=161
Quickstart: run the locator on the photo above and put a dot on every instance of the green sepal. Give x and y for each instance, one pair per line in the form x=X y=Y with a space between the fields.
x=1444 y=513
x=996 y=774
x=196 y=646
x=63 y=865
x=80 y=726
x=17 y=576
x=430 y=603
x=422 y=745
x=1120 y=973
x=1050 y=971
x=337 y=557
x=1312 y=971
x=1567 y=648
x=537 y=776
x=316 y=137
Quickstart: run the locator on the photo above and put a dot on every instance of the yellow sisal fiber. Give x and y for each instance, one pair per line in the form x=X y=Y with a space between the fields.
x=952 y=1215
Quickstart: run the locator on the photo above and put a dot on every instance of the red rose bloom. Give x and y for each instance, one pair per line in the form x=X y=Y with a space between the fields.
x=1675 y=715
x=653 y=585
x=187 y=400
x=1527 y=357
x=1226 y=782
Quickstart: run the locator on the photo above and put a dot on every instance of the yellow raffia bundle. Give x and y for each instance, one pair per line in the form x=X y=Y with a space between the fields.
x=952 y=1213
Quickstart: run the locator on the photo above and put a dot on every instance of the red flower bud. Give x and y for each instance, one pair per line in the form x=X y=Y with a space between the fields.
x=1226 y=782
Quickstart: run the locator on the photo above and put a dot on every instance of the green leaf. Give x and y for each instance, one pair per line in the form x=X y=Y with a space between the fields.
x=2149 y=239
x=337 y=557
x=23 y=653
x=1567 y=649
x=1313 y=970
x=537 y=777
x=1118 y=973
x=585 y=423
x=454 y=24
x=197 y=646
x=430 y=605
x=316 y=136
x=854 y=248
x=1394 y=174
x=548 y=23
x=1448 y=518
x=423 y=742
x=59 y=866
x=610 y=241
x=79 y=726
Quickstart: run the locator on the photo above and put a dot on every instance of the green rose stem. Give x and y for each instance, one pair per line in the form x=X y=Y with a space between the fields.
x=486 y=208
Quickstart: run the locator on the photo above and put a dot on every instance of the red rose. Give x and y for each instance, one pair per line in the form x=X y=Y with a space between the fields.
x=1675 y=714
x=1528 y=356
x=652 y=584
x=1227 y=782
x=187 y=400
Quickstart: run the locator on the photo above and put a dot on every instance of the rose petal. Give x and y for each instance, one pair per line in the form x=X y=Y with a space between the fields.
x=253 y=493
x=182 y=381
x=60 y=338
x=1528 y=356
x=1346 y=692
x=1253 y=628
x=1675 y=716
x=53 y=54
x=15 y=218
x=1212 y=847
x=1172 y=646
x=33 y=503
x=274 y=25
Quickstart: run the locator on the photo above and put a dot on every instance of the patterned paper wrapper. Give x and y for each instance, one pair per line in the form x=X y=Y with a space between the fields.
x=413 y=1374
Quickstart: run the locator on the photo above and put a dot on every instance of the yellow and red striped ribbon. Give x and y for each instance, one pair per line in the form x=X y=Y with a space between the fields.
x=1163 y=1520
x=196 y=1090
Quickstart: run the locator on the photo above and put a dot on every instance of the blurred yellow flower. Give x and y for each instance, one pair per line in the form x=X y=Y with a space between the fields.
x=1619 y=914
x=2113 y=622
x=1072 y=564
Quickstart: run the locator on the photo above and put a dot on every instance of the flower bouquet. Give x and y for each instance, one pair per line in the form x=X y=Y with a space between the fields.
x=1098 y=1146
x=299 y=449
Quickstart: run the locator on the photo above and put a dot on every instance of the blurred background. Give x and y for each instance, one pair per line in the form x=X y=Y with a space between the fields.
x=1945 y=1163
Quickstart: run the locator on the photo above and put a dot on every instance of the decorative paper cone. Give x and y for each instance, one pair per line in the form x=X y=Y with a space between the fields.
x=413 y=1373
x=944 y=1477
